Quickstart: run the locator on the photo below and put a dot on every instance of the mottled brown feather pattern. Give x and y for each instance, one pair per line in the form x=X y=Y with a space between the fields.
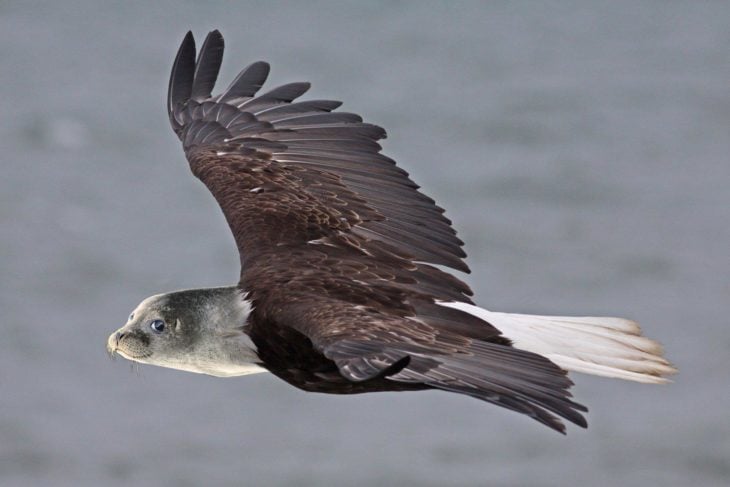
x=338 y=249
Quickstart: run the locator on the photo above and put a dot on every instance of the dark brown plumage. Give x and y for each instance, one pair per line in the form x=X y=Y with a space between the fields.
x=338 y=249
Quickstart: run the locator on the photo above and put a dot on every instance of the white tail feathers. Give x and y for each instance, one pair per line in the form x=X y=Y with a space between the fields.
x=610 y=347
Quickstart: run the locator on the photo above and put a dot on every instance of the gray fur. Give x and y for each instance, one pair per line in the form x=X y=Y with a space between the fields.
x=205 y=332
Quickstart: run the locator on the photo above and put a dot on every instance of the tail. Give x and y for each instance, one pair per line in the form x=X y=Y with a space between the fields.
x=609 y=347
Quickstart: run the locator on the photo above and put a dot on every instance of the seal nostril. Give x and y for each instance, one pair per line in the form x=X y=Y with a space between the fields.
x=119 y=336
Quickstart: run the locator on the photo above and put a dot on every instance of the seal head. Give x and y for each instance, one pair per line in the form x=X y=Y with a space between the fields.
x=196 y=330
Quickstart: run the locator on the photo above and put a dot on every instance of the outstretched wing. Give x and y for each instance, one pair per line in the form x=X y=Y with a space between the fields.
x=288 y=173
x=337 y=242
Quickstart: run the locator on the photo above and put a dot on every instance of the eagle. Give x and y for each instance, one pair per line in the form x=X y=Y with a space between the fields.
x=344 y=284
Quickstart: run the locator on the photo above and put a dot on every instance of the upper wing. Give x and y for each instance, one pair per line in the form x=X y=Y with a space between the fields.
x=288 y=173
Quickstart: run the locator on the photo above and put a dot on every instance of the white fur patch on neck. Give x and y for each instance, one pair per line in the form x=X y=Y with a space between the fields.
x=227 y=350
x=229 y=315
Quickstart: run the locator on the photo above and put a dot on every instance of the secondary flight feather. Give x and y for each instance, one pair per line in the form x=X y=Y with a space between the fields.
x=339 y=289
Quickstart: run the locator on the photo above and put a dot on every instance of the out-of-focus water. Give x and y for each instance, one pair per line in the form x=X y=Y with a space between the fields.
x=581 y=150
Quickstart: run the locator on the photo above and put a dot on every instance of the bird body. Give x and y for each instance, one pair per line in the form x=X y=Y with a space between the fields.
x=342 y=287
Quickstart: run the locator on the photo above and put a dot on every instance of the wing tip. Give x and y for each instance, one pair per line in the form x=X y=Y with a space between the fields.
x=181 y=76
x=207 y=65
x=248 y=81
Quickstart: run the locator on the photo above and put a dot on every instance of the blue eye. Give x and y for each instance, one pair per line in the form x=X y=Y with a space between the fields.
x=131 y=317
x=158 y=326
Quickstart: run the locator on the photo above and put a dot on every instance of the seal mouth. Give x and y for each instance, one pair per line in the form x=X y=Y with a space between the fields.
x=128 y=356
x=112 y=344
x=115 y=346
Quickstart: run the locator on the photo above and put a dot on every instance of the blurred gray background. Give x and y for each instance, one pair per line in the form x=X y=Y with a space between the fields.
x=581 y=150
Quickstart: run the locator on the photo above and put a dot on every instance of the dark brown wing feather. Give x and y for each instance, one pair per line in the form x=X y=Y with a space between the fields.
x=302 y=143
x=340 y=247
x=360 y=341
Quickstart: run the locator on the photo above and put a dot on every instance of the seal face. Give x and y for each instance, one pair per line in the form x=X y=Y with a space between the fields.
x=198 y=330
